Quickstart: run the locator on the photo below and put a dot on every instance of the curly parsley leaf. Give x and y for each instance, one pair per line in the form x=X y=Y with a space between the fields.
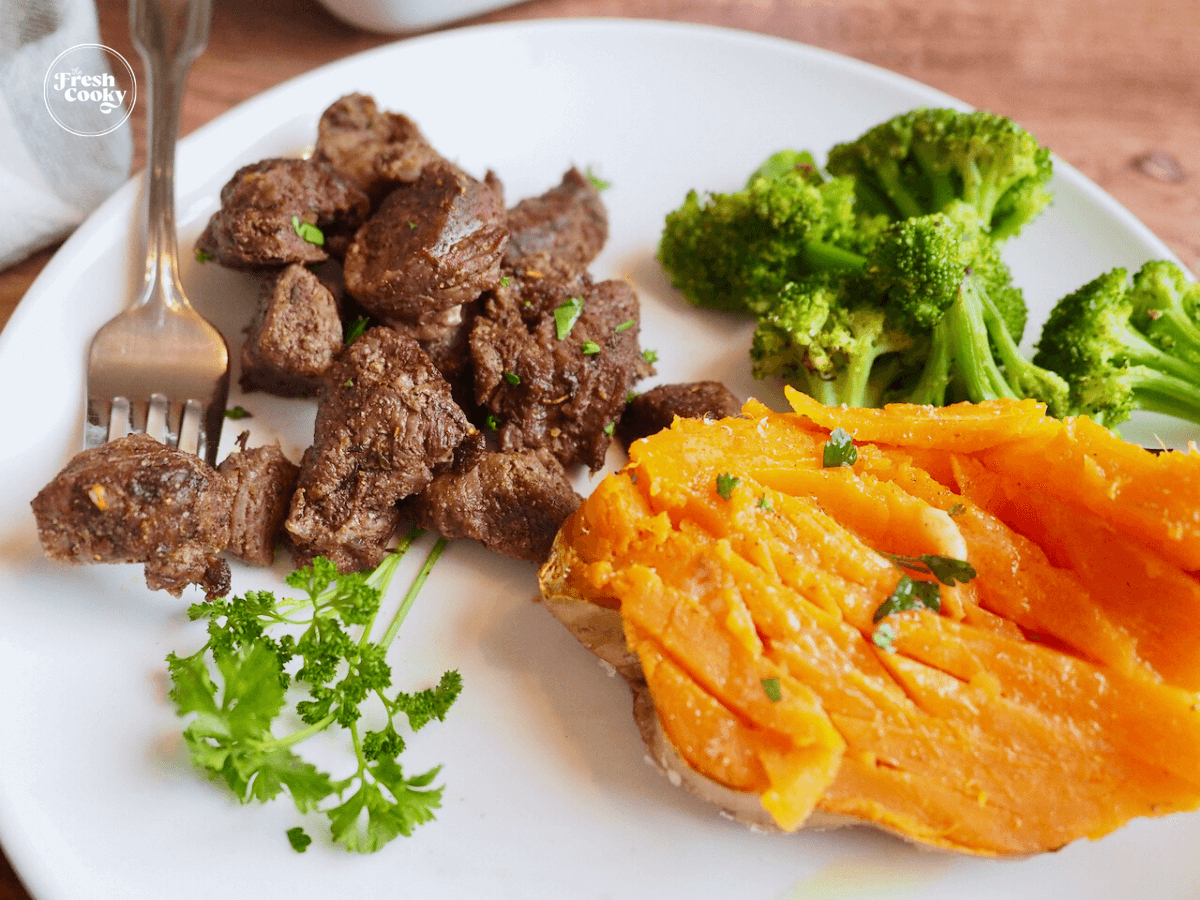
x=307 y=231
x=597 y=182
x=237 y=687
x=772 y=689
x=910 y=594
x=884 y=636
x=355 y=330
x=839 y=450
x=725 y=484
x=946 y=569
x=298 y=839
x=566 y=316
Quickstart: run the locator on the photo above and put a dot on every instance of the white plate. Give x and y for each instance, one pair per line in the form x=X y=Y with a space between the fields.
x=547 y=790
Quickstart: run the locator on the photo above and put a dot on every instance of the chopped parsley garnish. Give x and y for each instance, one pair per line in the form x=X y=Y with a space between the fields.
x=631 y=396
x=566 y=316
x=590 y=348
x=764 y=502
x=505 y=281
x=356 y=329
x=349 y=382
x=910 y=594
x=412 y=226
x=884 y=636
x=839 y=450
x=308 y=231
x=512 y=377
x=945 y=569
x=725 y=484
x=202 y=256
x=298 y=839
x=492 y=422
x=610 y=428
x=597 y=182
x=624 y=326
x=263 y=651
x=650 y=356
x=956 y=510
x=236 y=413
x=771 y=687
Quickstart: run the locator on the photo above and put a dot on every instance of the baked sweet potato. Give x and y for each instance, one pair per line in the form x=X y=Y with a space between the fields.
x=748 y=593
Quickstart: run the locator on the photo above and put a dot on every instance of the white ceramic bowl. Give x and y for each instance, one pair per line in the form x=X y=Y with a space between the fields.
x=407 y=15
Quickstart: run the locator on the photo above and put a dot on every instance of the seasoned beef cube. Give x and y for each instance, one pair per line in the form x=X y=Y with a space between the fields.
x=385 y=421
x=254 y=227
x=563 y=394
x=448 y=347
x=376 y=150
x=136 y=500
x=568 y=222
x=651 y=412
x=292 y=342
x=432 y=246
x=263 y=481
x=512 y=503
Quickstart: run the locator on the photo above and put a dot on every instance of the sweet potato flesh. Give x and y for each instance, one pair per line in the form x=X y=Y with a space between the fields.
x=1051 y=697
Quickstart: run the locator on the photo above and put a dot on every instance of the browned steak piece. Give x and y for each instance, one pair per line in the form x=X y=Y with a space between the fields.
x=263 y=481
x=254 y=226
x=449 y=349
x=568 y=222
x=377 y=150
x=136 y=500
x=385 y=421
x=432 y=246
x=512 y=503
x=555 y=357
x=651 y=412
x=293 y=340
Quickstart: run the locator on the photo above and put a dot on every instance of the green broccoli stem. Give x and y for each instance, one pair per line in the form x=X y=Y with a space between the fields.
x=930 y=390
x=1180 y=333
x=819 y=256
x=1159 y=393
x=1026 y=379
x=1139 y=350
x=968 y=338
x=898 y=194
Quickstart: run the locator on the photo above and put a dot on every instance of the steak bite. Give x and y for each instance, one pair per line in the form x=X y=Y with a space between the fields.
x=385 y=421
x=376 y=150
x=651 y=412
x=512 y=503
x=254 y=226
x=555 y=357
x=432 y=246
x=293 y=340
x=263 y=481
x=568 y=222
x=136 y=500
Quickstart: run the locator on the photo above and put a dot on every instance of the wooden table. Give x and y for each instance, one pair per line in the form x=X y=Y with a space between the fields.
x=1112 y=86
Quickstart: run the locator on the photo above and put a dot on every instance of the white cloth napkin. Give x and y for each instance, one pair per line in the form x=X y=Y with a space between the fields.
x=50 y=179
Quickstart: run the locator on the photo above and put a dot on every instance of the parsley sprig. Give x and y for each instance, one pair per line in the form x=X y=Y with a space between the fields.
x=945 y=569
x=237 y=686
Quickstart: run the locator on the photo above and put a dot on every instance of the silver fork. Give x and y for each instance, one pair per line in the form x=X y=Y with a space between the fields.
x=159 y=367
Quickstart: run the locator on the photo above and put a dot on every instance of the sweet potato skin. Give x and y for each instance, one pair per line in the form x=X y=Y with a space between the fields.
x=1027 y=712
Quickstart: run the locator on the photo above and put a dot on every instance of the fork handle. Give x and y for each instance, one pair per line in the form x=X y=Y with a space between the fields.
x=169 y=35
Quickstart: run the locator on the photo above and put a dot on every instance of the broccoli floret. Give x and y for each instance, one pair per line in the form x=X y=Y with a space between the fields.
x=1166 y=308
x=922 y=161
x=735 y=252
x=969 y=338
x=786 y=161
x=1091 y=338
x=821 y=340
